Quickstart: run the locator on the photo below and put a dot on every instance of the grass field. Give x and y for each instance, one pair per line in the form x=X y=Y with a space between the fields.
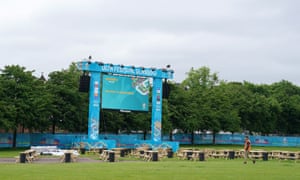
x=168 y=168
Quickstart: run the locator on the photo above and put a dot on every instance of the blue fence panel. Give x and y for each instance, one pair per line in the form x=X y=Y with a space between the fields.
x=66 y=141
x=6 y=140
x=23 y=140
x=183 y=138
x=203 y=139
x=123 y=140
x=229 y=139
x=274 y=141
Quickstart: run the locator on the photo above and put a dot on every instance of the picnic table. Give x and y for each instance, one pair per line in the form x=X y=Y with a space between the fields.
x=27 y=156
x=69 y=156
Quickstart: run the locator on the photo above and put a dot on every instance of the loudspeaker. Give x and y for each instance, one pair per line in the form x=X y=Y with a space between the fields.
x=166 y=90
x=84 y=83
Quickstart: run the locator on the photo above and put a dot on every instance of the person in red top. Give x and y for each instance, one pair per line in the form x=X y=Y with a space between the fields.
x=247 y=148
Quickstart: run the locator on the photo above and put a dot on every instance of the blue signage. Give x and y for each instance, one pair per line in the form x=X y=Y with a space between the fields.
x=125 y=93
x=127 y=70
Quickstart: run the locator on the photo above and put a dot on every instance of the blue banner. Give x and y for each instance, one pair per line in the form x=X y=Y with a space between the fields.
x=156 y=126
x=94 y=106
x=66 y=141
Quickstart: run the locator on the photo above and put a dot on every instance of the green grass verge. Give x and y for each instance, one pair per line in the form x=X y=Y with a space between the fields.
x=10 y=152
x=166 y=169
x=173 y=169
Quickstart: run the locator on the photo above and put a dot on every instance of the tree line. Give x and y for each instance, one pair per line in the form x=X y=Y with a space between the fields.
x=200 y=103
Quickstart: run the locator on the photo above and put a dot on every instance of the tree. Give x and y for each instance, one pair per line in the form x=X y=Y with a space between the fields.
x=40 y=103
x=259 y=111
x=287 y=96
x=200 y=79
x=17 y=92
x=222 y=102
x=7 y=110
x=69 y=106
x=180 y=107
x=113 y=121
x=199 y=115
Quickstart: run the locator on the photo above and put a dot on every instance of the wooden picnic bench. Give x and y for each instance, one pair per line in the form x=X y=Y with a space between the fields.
x=69 y=156
x=27 y=156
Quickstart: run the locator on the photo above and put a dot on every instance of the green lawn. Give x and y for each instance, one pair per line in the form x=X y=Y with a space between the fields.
x=10 y=152
x=165 y=169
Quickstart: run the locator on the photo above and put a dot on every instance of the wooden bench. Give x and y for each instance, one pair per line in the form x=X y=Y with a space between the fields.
x=69 y=156
x=219 y=154
x=104 y=155
x=27 y=156
x=289 y=155
x=257 y=154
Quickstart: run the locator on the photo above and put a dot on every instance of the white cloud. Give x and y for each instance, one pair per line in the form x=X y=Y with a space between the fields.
x=249 y=40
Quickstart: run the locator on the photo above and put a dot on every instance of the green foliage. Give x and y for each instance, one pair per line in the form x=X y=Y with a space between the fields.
x=202 y=102
x=69 y=107
x=20 y=107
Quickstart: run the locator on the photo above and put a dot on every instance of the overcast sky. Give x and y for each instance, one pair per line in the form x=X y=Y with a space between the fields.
x=252 y=40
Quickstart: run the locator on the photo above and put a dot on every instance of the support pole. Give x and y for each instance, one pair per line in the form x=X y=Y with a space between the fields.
x=156 y=110
x=94 y=106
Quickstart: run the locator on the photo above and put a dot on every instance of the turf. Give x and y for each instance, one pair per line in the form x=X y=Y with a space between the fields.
x=165 y=169
x=168 y=168
x=10 y=152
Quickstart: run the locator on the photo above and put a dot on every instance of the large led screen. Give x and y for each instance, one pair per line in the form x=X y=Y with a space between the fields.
x=125 y=93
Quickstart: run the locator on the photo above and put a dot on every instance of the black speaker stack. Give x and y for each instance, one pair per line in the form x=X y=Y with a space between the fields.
x=84 y=83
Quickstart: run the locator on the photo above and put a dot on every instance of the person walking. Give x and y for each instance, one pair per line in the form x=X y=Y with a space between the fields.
x=247 y=148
